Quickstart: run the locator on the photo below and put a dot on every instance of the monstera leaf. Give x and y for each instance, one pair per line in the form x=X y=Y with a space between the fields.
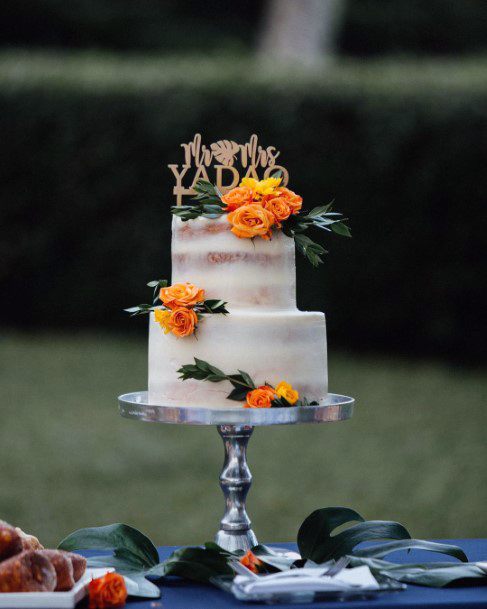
x=134 y=554
x=224 y=151
x=316 y=542
x=198 y=564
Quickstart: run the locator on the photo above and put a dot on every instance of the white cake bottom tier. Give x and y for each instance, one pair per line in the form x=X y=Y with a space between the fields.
x=270 y=346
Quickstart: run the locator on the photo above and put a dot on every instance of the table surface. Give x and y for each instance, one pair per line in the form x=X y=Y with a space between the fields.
x=179 y=594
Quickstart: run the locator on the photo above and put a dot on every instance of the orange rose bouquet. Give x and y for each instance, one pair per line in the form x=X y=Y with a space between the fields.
x=258 y=208
x=244 y=389
x=183 y=307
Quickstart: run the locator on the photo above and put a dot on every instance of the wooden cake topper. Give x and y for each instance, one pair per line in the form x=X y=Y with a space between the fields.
x=227 y=162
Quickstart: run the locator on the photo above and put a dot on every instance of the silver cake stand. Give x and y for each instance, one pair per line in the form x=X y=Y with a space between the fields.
x=235 y=426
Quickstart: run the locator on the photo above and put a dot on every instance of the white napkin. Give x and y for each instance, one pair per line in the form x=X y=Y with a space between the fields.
x=247 y=587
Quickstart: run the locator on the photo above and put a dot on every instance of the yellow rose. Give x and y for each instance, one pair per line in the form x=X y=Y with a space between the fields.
x=285 y=390
x=249 y=183
x=262 y=187
x=162 y=317
x=268 y=186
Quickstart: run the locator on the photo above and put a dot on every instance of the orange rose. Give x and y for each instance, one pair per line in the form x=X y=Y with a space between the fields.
x=107 y=591
x=293 y=200
x=251 y=221
x=260 y=398
x=183 y=321
x=242 y=195
x=278 y=208
x=181 y=295
x=251 y=561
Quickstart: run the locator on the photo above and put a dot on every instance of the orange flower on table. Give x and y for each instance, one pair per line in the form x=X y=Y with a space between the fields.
x=278 y=208
x=107 y=591
x=286 y=391
x=181 y=295
x=182 y=321
x=251 y=561
x=294 y=201
x=251 y=220
x=242 y=195
x=260 y=398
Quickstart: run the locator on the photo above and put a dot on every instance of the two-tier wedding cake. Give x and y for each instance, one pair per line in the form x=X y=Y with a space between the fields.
x=226 y=332
x=264 y=333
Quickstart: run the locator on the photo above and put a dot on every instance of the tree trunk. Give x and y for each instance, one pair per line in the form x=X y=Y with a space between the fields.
x=300 y=31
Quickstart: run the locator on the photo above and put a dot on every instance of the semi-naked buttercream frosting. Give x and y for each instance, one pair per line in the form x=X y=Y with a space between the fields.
x=264 y=333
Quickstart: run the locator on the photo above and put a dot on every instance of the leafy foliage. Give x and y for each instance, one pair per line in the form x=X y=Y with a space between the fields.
x=242 y=383
x=135 y=556
x=129 y=544
x=203 y=371
x=157 y=284
x=208 y=203
x=212 y=307
x=319 y=217
x=199 y=564
x=380 y=550
x=206 y=307
x=141 y=309
x=313 y=251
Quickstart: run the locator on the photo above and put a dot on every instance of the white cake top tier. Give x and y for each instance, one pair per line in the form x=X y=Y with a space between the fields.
x=247 y=273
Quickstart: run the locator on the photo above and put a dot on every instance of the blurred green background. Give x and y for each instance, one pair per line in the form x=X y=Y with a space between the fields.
x=381 y=106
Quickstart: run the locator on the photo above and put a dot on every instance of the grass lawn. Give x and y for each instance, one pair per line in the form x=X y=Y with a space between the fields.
x=415 y=451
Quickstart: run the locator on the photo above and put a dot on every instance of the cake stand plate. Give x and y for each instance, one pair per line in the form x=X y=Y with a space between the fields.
x=235 y=426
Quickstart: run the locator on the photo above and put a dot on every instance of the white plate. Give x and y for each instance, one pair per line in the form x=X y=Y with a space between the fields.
x=51 y=600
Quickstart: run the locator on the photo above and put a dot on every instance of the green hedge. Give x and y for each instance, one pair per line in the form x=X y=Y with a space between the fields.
x=85 y=191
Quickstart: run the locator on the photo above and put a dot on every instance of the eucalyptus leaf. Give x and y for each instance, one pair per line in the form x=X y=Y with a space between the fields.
x=319 y=211
x=128 y=543
x=341 y=229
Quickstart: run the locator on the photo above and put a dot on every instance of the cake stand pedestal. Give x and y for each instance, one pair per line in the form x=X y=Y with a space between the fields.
x=235 y=426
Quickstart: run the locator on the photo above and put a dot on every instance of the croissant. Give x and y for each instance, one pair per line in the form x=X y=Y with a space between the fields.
x=28 y=571
x=29 y=542
x=79 y=565
x=10 y=541
x=63 y=566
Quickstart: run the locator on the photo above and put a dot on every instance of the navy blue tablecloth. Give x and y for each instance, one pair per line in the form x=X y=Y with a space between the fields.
x=179 y=594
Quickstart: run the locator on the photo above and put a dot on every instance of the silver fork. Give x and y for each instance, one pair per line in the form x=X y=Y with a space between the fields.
x=339 y=565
